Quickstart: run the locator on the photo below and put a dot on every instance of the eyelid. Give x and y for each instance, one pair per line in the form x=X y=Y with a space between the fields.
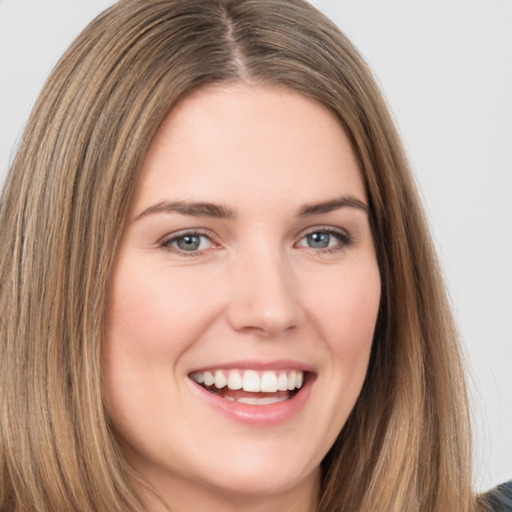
x=343 y=234
x=166 y=241
x=325 y=228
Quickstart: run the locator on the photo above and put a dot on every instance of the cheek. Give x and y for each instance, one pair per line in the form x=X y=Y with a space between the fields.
x=343 y=310
x=346 y=309
x=147 y=310
x=346 y=314
x=151 y=321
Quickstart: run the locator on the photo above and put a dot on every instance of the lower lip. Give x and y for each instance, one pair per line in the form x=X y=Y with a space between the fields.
x=258 y=415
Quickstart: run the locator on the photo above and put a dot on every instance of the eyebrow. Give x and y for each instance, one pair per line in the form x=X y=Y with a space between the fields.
x=219 y=211
x=309 y=210
x=193 y=209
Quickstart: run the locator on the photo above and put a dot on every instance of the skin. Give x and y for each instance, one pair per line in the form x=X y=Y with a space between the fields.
x=256 y=290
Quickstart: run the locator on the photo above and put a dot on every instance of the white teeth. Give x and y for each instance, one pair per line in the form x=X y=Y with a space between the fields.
x=234 y=380
x=220 y=379
x=282 y=382
x=291 y=380
x=268 y=383
x=251 y=380
x=198 y=377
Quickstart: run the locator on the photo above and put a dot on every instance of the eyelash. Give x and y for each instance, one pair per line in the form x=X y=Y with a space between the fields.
x=344 y=240
x=166 y=243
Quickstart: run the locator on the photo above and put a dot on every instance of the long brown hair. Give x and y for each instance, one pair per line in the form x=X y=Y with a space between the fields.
x=406 y=445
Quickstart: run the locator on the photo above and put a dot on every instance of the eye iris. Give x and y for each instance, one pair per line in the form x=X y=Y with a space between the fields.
x=189 y=242
x=318 y=240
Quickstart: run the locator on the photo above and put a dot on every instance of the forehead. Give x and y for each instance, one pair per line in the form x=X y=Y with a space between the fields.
x=227 y=142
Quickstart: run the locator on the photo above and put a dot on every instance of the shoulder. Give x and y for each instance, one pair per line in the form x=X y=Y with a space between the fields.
x=499 y=499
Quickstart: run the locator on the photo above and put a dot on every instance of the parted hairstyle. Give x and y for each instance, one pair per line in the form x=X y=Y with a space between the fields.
x=406 y=444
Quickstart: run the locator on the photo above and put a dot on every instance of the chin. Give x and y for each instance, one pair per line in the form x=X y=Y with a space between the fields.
x=260 y=481
x=262 y=471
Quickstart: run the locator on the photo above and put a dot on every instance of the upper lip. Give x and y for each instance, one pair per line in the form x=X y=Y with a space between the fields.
x=258 y=365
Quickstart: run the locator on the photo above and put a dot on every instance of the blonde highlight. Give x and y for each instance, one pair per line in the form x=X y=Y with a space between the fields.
x=407 y=442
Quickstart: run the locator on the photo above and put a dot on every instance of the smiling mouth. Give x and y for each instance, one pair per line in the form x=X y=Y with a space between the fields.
x=250 y=386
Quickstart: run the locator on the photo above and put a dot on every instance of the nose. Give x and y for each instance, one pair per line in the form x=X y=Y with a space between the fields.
x=263 y=296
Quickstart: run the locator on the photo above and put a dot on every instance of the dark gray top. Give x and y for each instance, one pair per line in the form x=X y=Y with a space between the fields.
x=499 y=499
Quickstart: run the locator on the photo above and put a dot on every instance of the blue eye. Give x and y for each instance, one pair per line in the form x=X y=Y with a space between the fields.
x=319 y=240
x=188 y=243
x=325 y=239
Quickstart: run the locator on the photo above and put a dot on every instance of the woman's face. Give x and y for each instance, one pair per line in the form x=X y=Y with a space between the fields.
x=247 y=260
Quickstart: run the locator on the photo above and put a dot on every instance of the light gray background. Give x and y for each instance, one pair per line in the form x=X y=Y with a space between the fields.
x=445 y=67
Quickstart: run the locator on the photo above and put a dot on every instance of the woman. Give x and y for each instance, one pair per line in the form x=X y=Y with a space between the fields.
x=210 y=192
